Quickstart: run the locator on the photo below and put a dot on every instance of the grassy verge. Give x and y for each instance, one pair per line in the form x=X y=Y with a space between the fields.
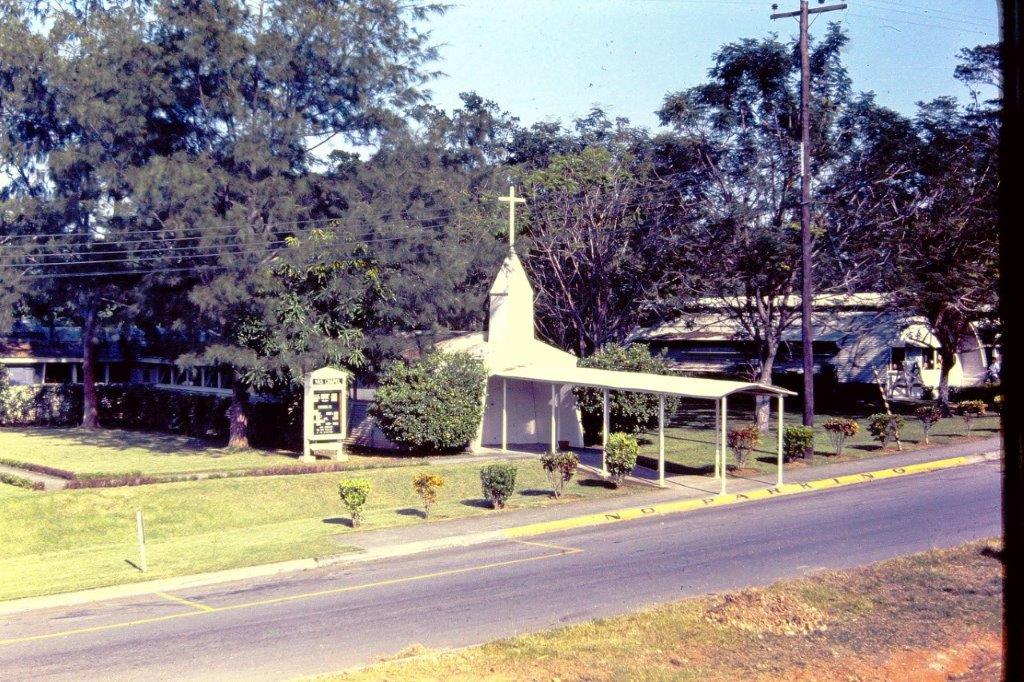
x=928 y=616
x=11 y=491
x=112 y=452
x=690 y=442
x=77 y=539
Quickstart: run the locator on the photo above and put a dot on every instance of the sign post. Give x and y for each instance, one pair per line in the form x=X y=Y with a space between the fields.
x=325 y=412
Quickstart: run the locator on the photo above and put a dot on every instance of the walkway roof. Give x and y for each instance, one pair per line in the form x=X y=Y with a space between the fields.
x=641 y=382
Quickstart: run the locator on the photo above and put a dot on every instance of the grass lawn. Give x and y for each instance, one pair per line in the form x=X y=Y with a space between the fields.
x=114 y=451
x=76 y=539
x=927 y=616
x=690 y=441
x=8 y=491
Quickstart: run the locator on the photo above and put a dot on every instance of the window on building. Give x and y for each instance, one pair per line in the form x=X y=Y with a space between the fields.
x=22 y=375
x=897 y=356
x=120 y=373
x=58 y=373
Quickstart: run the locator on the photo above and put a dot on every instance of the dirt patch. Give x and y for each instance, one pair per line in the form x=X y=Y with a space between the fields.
x=767 y=613
x=978 y=657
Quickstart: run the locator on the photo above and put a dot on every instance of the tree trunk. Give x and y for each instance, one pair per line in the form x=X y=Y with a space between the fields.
x=238 y=418
x=90 y=344
x=763 y=403
x=948 y=362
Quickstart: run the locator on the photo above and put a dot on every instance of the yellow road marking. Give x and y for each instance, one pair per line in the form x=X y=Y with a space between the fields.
x=276 y=600
x=564 y=550
x=186 y=602
x=629 y=514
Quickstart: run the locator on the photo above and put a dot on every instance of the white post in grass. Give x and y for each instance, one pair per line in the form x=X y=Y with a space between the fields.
x=723 y=432
x=504 y=415
x=604 y=436
x=778 y=480
x=661 y=441
x=140 y=531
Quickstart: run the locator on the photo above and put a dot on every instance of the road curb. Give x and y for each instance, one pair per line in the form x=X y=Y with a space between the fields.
x=527 y=530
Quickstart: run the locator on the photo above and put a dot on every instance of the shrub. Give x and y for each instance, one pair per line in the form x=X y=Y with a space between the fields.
x=929 y=416
x=885 y=427
x=354 y=492
x=839 y=429
x=620 y=456
x=426 y=486
x=796 y=440
x=41 y=405
x=627 y=412
x=434 y=404
x=498 y=482
x=969 y=409
x=20 y=481
x=38 y=468
x=741 y=441
x=559 y=467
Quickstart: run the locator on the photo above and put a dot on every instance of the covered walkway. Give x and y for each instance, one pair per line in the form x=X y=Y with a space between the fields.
x=715 y=390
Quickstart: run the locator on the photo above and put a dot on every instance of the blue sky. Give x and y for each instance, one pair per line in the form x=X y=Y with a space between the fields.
x=554 y=59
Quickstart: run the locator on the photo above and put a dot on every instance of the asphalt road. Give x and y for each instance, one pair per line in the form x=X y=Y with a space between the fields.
x=334 y=618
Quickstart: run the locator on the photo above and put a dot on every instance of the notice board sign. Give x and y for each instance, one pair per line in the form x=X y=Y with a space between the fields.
x=325 y=412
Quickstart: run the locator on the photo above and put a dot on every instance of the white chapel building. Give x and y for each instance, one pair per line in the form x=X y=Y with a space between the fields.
x=518 y=411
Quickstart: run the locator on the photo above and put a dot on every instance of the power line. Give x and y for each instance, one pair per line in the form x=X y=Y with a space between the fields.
x=174 y=247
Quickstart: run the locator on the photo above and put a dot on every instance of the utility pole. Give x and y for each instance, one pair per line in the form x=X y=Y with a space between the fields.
x=807 y=288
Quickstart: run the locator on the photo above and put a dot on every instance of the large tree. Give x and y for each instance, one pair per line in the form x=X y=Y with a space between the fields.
x=734 y=161
x=599 y=258
x=263 y=87
x=928 y=231
x=83 y=107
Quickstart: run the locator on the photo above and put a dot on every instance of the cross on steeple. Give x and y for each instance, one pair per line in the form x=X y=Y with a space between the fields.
x=512 y=200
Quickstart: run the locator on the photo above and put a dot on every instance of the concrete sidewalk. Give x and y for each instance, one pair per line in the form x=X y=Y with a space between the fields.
x=498 y=526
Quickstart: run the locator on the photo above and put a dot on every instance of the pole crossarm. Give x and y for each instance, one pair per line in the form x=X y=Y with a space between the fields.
x=813 y=10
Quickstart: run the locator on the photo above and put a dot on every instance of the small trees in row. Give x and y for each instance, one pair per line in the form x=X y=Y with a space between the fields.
x=741 y=441
x=620 y=456
x=838 y=430
x=560 y=467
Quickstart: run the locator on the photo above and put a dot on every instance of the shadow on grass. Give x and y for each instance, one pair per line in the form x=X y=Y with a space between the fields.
x=134 y=565
x=339 y=521
x=536 y=492
x=596 y=483
x=412 y=511
x=477 y=503
x=122 y=439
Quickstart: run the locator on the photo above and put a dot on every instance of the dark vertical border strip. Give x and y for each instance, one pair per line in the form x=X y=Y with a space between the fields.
x=1011 y=190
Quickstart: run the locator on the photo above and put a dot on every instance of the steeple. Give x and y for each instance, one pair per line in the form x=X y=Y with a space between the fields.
x=511 y=296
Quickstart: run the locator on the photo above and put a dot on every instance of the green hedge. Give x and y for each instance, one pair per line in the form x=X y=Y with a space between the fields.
x=136 y=406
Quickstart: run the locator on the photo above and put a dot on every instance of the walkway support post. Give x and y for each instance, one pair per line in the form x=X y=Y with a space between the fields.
x=554 y=423
x=778 y=480
x=724 y=426
x=604 y=435
x=504 y=415
x=661 y=440
x=718 y=446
